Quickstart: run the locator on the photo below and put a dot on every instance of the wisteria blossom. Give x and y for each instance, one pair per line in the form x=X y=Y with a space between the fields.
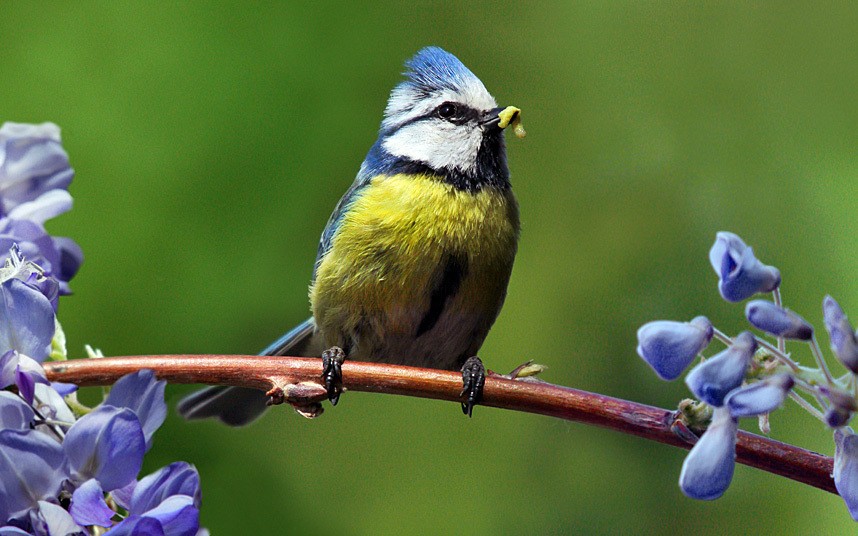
x=753 y=377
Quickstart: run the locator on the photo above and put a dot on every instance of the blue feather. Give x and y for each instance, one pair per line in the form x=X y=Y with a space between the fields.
x=433 y=68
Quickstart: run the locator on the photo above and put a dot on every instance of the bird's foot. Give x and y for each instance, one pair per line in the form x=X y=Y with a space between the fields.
x=473 y=380
x=332 y=372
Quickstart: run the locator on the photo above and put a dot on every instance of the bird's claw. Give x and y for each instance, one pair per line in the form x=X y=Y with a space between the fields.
x=473 y=380
x=332 y=372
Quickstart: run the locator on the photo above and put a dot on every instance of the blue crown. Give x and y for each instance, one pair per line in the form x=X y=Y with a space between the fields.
x=433 y=68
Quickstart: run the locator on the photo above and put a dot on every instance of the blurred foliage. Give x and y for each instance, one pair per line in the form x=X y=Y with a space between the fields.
x=211 y=140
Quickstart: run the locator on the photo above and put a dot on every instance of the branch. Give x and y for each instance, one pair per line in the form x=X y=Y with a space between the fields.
x=295 y=380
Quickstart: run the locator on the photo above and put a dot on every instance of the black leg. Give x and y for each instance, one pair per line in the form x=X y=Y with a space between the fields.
x=473 y=380
x=332 y=372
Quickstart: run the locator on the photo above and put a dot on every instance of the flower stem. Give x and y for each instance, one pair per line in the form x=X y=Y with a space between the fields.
x=776 y=296
x=807 y=406
x=775 y=352
x=820 y=360
x=721 y=336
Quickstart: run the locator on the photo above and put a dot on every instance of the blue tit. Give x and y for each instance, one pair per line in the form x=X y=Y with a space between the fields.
x=413 y=265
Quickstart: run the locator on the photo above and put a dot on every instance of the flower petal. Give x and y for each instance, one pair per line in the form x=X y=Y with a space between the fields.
x=711 y=380
x=26 y=320
x=123 y=495
x=708 y=469
x=31 y=464
x=759 y=398
x=740 y=274
x=177 y=515
x=71 y=257
x=88 y=506
x=178 y=478
x=32 y=161
x=143 y=395
x=138 y=526
x=835 y=417
x=106 y=444
x=27 y=374
x=846 y=468
x=15 y=414
x=51 y=405
x=48 y=205
x=844 y=342
x=52 y=519
x=12 y=531
x=768 y=317
x=669 y=347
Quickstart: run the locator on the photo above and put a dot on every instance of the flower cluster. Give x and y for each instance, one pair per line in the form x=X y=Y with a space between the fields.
x=752 y=377
x=67 y=476
x=34 y=177
x=67 y=469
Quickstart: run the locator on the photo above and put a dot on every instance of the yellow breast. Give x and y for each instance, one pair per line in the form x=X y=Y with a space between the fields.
x=376 y=277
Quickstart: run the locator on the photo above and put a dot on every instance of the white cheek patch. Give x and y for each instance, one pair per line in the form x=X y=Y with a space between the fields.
x=437 y=143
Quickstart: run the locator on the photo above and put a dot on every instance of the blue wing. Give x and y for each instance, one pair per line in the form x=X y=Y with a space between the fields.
x=336 y=218
x=293 y=342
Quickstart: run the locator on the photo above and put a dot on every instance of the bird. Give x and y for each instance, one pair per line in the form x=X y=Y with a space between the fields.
x=413 y=265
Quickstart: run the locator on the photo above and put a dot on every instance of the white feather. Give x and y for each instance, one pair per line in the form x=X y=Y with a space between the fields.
x=435 y=142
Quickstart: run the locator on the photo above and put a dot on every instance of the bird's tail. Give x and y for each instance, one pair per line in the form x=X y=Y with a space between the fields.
x=237 y=406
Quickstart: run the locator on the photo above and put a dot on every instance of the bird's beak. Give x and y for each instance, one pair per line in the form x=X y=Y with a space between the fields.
x=503 y=117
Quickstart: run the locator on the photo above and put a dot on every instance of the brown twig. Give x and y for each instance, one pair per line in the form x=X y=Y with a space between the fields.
x=295 y=380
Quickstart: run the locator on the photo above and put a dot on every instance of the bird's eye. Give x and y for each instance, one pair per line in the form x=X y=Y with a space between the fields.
x=447 y=110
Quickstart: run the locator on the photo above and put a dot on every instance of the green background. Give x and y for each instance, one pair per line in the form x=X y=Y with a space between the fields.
x=211 y=141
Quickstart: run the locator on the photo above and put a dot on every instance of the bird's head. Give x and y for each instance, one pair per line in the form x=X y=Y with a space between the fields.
x=443 y=118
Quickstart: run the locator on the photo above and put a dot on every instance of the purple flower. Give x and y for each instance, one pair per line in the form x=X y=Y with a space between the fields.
x=88 y=506
x=138 y=526
x=32 y=162
x=759 y=398
x=708 y=468
x=669 y=347
x=844 y=342
x=50 y=519
x=32 y=466
x=178 y=478
x=143 y=395
x=102 y=451
x=711 y=380
x=106 y=444
x=27 y=322
x=50 y=405
x=835 y=417
x=740 y=274
x=23 y=372
x=34 y=175
x=766 y=316
x=14 y=413
x=846 y=468
x=59 y=257
x=167 y=500
x=843 y=406
x=176 y=515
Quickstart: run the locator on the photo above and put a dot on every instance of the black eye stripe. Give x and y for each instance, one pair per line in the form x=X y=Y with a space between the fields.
x=460 y=115
x=463 y=115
